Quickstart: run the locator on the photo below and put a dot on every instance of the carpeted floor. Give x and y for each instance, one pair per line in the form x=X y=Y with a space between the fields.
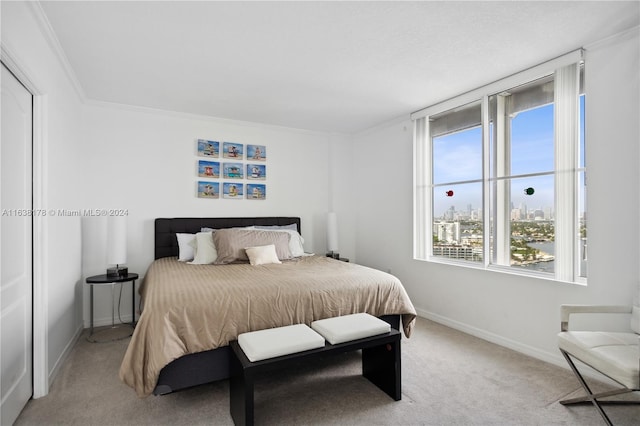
x=448 y=378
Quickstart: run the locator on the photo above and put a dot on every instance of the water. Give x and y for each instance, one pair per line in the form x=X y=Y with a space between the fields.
x=546 y=247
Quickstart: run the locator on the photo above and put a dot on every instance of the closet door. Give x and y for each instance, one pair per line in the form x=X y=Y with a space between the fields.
x=16 y=258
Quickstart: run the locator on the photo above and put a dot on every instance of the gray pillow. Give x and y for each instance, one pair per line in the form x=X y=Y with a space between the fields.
x=231 y=243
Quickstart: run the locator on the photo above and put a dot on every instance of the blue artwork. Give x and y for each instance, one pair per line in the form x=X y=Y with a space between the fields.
x=208 y=189
x=256 y=171
x=208 y=148
x=232 y=190
x=232 y=150
x=233 y=170
x=256 y=191
x=210 y=169
x=257 y=152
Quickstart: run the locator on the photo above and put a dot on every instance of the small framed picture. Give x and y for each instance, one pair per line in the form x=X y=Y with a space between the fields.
x=208 y=148
x=256 y=191
x=232 y=190
x=233 y=170
x=256 y=171
x=256 y=152
x=208 y=189
x=210 y=169
x=233 y=150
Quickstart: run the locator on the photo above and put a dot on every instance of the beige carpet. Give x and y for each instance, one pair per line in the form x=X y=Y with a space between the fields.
x=448 y=378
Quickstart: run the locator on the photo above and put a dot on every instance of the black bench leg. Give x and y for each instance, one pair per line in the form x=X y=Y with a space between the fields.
x=240 y=394
x=381 y=365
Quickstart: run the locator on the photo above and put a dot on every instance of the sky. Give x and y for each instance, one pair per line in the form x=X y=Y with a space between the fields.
x=458 y=157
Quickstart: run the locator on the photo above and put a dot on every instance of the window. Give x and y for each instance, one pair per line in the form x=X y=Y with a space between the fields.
x=500 y=175
x=456 y=145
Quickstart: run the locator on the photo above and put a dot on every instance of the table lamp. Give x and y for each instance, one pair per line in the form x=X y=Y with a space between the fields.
x=117 y=246
x=332 y=236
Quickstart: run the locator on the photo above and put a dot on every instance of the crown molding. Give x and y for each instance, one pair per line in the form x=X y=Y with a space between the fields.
x=632 y=32
x=202 y=117
x=17 y=67
x=405 y=118
x=47 y=30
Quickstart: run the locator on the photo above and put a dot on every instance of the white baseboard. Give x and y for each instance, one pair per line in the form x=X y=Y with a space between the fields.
x=555 y=359
x=64 y=355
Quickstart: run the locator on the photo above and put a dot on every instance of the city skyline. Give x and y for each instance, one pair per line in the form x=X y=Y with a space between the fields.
x=471 y=213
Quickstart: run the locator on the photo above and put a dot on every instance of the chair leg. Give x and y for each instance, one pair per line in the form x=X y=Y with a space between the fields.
x=590 y=396
x=587 y=399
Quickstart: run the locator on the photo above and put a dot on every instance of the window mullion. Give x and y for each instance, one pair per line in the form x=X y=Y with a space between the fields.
x=503 y=186
x=566 y=154
x=422 y=195
x=486 y=185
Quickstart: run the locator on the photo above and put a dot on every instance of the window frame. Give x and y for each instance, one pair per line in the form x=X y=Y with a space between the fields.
x=566 y=69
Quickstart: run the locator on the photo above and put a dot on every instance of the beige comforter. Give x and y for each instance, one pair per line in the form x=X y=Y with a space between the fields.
x=194 y=308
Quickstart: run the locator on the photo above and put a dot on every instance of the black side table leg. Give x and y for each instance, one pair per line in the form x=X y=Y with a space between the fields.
x=91 y=311
x=240 y=394
x=381 y=366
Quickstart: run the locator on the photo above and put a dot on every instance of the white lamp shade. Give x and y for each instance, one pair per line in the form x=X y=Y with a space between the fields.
x=117 y=240
x=332 y=232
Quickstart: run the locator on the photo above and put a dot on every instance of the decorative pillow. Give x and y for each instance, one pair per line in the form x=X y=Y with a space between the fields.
x=262 y=255
x=295 y=240
x=185 y=250
x=635 y=319
x=205 y=250
x=230 y=243
x=205 y=229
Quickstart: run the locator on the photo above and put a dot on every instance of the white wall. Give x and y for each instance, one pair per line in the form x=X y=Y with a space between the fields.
x=515 y=311
x=145 y=161
x=24 y=36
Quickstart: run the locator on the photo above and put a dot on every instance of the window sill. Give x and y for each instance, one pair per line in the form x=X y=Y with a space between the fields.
x=502 y=269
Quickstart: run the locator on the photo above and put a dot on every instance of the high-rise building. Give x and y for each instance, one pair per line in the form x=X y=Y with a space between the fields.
x=450 y=214
x=516 y=214
x=448 y=232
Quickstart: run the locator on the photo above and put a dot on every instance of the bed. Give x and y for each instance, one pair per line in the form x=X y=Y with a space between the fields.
x=191 y=312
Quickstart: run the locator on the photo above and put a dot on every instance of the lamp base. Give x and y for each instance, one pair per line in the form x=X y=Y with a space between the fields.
x=117 y=272
x=333 y=254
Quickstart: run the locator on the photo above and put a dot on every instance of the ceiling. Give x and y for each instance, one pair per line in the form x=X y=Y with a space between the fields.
x=326 y=66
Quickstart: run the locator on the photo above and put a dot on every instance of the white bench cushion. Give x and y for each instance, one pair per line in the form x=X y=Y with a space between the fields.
x=350 y=327
x=615 y=355
x=273 y=342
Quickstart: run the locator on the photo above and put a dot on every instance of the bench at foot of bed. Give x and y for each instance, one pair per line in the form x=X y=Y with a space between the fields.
x=380 y=359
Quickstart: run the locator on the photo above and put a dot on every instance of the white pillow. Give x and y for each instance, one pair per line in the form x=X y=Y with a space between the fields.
x=205 y=250
x=262 y=255
x=295 y=240
x=185 y=250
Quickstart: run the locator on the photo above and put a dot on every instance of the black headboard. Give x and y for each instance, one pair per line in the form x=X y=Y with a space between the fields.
x=166 y=244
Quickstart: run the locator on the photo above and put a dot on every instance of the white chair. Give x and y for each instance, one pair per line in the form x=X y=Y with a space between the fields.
x=614 y=354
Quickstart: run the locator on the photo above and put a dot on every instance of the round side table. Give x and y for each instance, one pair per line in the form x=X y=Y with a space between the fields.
x=112 y=281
